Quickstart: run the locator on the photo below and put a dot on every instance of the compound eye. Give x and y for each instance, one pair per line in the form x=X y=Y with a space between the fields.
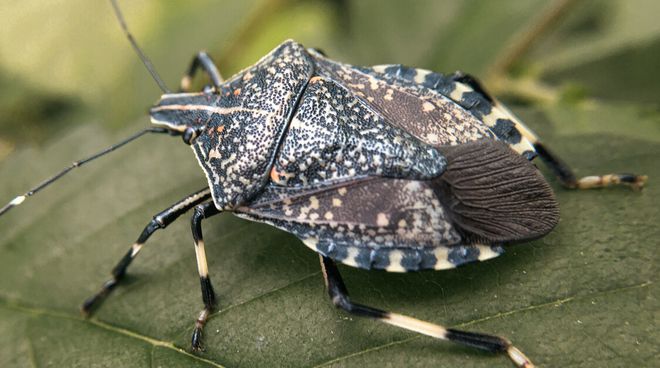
x=189 y=135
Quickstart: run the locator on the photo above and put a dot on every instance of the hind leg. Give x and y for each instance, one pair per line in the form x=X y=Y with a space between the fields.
x=569 y=180
x=470 y=94
x=339 y=296
x=509 y=128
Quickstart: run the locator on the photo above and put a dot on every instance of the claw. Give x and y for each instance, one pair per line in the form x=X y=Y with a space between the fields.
x=196 y=342
x=518 y=358
x=93 y=301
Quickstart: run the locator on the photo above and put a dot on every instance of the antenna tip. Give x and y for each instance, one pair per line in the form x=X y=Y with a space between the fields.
x=14 y=202
x=18 y=200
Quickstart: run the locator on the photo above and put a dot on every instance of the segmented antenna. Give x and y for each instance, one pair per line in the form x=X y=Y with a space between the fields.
x=150 y=67
x=145 y=60
x=21 y=198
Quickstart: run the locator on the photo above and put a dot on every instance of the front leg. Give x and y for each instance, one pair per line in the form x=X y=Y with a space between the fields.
x=339 y=296
x=201 y=60
x=202 y=211
x=159 y=221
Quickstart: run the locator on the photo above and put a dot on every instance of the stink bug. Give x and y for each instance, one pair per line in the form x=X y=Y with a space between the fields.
x=385 y=167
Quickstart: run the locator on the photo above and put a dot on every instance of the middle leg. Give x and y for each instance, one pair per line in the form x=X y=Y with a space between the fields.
x=201 y=60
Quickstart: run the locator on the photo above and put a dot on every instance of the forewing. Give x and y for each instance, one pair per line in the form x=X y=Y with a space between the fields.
x=467 y=92
x=391 y=224
x=334 y=135
x=436 y=121
x=417 y=93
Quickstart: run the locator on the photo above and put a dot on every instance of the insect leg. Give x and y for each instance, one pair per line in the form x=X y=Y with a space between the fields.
x=568 y=179
x=159 y=221
x=339 y=296
x=201 y=60
x=202 y=211
x=559 y=167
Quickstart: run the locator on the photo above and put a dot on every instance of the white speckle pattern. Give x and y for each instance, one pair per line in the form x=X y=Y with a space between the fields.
x=381 y=220
x=354 y=172
x=428 y=83
x=335 y=135
x=413 y=108
x=401 y=234
x=237 y=147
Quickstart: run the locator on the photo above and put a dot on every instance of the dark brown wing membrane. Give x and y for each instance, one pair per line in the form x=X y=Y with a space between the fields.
x=494 y=194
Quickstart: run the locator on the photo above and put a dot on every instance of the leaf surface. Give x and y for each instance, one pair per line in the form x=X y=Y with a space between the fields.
x=585 y=295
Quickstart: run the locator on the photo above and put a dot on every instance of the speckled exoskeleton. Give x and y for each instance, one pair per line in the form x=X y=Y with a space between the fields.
x=383 y=167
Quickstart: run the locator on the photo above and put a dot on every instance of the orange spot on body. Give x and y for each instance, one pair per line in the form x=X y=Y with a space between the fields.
x=220 y=129
x=274 y=175
x=237 y=92
x=279 y=177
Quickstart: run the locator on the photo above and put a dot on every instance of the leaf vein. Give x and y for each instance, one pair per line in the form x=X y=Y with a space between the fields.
x=557 y=302
x=36 y=311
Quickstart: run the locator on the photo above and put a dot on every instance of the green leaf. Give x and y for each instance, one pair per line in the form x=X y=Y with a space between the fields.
x=558 y=298
x=439 y=35
x=584 y=295
x=609 y=47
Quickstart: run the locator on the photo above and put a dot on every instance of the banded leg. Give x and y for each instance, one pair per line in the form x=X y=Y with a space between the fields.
x=339 y=296
x=201 y=60
x=202 y=211
x=159 y=221
x=568 y=179
x=559 y=167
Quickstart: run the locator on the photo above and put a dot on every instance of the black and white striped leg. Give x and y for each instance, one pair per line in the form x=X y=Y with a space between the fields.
x=563 y=172
x=568 y=179
x=339 y=296
x=202 y=211
x=159 y=221
x=201 y=60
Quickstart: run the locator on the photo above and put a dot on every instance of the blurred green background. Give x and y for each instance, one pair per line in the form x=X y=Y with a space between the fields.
x=583 y=74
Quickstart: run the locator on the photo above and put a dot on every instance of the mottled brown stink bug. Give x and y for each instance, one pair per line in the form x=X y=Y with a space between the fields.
x=383 y=167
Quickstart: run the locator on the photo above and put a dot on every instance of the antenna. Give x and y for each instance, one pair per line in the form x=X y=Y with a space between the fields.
x=21 y=198
x=145 y=60
x=147 y=63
